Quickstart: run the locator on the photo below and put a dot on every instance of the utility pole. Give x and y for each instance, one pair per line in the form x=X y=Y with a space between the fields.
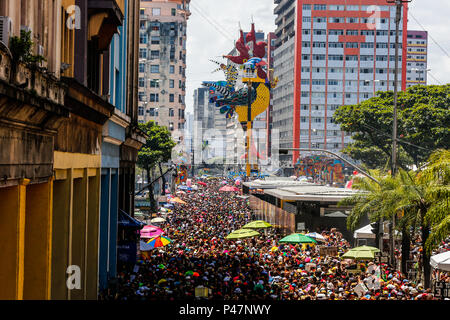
x=398 y=16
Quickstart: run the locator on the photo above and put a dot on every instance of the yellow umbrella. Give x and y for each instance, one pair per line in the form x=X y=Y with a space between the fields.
x=177 y=200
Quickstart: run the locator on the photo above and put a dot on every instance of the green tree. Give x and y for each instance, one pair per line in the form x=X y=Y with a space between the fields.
x=419 y=198
x=157 y=149
x=423 y=126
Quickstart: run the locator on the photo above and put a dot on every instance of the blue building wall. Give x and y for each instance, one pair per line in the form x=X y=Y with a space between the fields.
x=109 y=204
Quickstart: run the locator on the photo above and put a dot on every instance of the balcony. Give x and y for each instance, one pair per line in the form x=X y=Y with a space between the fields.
x=36 y=81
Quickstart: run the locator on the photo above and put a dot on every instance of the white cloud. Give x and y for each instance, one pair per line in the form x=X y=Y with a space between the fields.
x=213 y=26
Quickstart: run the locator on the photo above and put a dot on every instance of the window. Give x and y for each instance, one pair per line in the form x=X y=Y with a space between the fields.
x=352 y=20
x=338 y=57
x=154 y=97
x=174 y=12
x=305 y=94
x=141 y=67
x=351 y=58
x=305 y=69
x=351 y=45
x=366 y=45
x=333 y=82
x=306 y=7
x=305 y=82
x=367 y=32
x=306 y=44
x=352 y=8
x=306 y=19
x=154 y=83
x=336 y=8
x=305 y=56
x=320 y=7
x=336 y=20
x=143 y=38
x=156 y=11
x=382 y=58
x=141 y=96
x=155 y=26
x=320 y=32
x=316 y=82
x=382 y=45
x=366 y=58
x=153 y=112
x=318 y=57
x=319 y=19
x=335 y=45
x=154 y=68
x=180 y=98
x=319 y=45
x=306 y=31
x=140 y=111
x=171 y=113
x=143 y=53
x=154 y=54
x=171 y=83
x=171 y=128
x=155 y=40
x=336 y=32
x=171 y=97
x=352 y=32
x=172 y=69
x=141 y=82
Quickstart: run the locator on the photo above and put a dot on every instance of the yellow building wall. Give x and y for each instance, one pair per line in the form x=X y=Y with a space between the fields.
x=76 y=223
x=12 y=244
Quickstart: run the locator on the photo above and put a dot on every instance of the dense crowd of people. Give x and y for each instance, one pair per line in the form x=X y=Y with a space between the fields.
x=258 y=268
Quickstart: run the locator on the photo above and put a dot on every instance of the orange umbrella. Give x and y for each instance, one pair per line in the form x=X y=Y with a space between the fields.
x=177 y=200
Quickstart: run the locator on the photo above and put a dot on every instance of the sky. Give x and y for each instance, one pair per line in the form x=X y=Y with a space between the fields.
x=214 y=26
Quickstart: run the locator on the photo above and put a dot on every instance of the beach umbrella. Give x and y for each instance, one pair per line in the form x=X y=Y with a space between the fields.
x=361 y=253
x=316 y=236
x=229 y=189
x=177 y=200
x=189 y=273
x=258 y=224
x=151 y=232
x=157 y=220
x=202 y=183
x=242 y=233
x=158 y=242
x=297 y=238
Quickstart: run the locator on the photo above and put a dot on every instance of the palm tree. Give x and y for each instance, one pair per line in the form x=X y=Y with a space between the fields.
x=421 y=197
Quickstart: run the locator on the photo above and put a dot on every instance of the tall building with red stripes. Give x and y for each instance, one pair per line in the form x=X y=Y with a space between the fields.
x=330 y=53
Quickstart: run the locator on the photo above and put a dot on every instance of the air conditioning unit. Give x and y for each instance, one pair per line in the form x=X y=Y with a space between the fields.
x=5 y=30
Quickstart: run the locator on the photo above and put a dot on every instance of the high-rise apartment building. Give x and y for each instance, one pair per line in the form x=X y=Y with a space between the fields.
x=416 y=59
x=330 y=53
x=162 y=53
x=209 y=129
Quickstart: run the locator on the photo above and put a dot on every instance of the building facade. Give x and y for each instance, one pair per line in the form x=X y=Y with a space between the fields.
x=52 y=143
x=120 y=142
x=162 y=53
x=209 y=129
x=330 y=54
x=416 y=59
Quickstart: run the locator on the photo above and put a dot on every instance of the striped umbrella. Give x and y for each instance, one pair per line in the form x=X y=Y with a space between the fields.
x=158 y=242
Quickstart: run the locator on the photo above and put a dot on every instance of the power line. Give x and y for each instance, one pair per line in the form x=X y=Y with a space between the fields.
x=215 y=26
x=443 y=50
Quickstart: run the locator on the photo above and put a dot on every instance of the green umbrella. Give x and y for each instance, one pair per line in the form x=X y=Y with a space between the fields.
x=189 y=273
x=297 y=238
x=242 y=233
x=361 y=253
x=258 y=224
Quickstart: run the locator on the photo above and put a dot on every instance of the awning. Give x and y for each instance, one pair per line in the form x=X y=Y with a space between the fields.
x=126 y=221
x=441 y=261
